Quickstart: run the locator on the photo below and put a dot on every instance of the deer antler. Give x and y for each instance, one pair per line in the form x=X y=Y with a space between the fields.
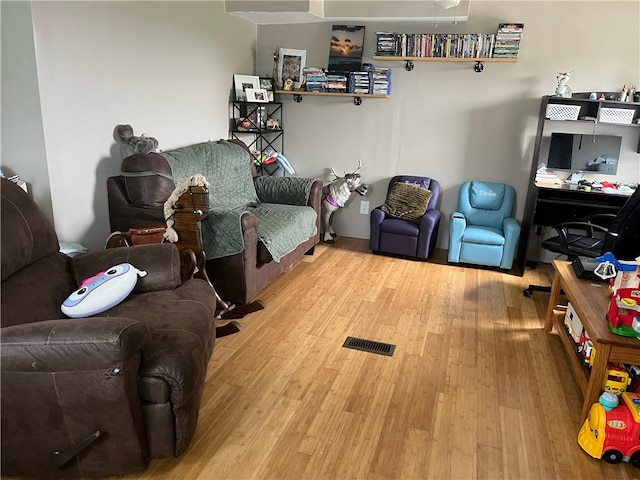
x=360 y=165
x=333 y=172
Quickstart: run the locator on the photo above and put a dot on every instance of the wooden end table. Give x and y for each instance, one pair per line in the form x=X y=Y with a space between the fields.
x=590 y=300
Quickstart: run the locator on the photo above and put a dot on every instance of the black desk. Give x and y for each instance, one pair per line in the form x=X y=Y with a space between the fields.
x=550 y=205
x=557 y=204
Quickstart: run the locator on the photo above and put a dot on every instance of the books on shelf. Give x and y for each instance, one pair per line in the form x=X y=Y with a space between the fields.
x=359 y=82
x=380 y=81
x=316 y=79
x=375 y=81
x=386 y=43
x=439 y=45
x=503 y=44
x=336 y=82
x=508 y=40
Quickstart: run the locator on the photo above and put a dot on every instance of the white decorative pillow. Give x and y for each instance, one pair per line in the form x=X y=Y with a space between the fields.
x=102 y=291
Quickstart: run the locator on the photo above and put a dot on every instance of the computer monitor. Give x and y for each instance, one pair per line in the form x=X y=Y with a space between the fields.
x=585 y=153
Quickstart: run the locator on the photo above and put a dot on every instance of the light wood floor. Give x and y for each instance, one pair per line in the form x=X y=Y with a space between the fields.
x=475 y=388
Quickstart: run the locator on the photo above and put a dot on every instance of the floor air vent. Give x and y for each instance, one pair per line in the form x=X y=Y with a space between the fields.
x=369 y=346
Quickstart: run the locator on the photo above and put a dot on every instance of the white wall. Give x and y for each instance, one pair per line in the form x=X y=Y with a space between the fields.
x=166 y=68
x=23 y=150
x=443 y=119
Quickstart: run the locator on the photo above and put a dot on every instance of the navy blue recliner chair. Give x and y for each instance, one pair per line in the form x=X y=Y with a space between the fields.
x=407 y=224
x=483 y=231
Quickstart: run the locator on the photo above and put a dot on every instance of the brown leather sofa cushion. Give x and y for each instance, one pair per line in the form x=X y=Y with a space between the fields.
x=33 y=293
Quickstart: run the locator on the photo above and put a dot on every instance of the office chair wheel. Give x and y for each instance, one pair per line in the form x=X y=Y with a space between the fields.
x=527 y=292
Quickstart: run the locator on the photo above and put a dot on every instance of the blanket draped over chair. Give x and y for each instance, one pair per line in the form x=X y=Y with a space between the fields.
x=280 y=226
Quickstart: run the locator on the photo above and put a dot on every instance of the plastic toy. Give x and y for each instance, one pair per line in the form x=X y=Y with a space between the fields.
x=266 y=158
x=613 y=435
x=284 y=164
x=624 y=274
x=617 y=379
x=272 y=124
x=586 y=349
x=609 y=401
x=270 y=156
x=634 y=373
x=102 y=291
x=563 y=90
x=572 y=323
x=624 y=312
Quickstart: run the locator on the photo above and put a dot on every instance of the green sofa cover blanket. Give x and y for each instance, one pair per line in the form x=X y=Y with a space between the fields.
x=280 y=203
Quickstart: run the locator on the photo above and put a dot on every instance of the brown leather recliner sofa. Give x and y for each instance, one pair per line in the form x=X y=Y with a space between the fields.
x=99 y=395
x=137 y=196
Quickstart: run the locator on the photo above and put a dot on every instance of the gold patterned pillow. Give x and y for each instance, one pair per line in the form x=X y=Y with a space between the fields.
x=407 y=201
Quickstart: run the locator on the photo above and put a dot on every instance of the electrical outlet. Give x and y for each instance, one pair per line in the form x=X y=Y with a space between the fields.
x=364 y=207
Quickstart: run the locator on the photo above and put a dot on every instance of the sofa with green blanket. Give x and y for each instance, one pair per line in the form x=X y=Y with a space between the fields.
x=257 y=226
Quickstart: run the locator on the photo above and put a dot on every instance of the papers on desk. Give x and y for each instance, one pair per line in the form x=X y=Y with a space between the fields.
x=616 y=188
x=544 y=175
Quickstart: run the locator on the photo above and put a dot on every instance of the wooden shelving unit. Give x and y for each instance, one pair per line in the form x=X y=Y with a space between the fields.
x=479 y=62
x=357 y=97
x=392 y=58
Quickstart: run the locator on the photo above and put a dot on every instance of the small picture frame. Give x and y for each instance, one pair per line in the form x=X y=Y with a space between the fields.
x=258 y=95
x=267 y=84
x=242 y=82
x=290 y=66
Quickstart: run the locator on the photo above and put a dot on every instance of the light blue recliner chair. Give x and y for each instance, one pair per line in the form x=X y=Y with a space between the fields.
x=483 y=231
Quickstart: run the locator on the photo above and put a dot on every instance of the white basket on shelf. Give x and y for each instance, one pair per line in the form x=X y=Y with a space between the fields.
x=616 y=115
x=561 y=111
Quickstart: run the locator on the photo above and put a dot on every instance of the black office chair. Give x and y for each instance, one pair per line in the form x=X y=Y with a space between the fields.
x=622 y=237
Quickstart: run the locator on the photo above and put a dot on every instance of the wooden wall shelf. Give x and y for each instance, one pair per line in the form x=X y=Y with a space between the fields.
x=357 y=97
x=392 y=58
x=479 y=62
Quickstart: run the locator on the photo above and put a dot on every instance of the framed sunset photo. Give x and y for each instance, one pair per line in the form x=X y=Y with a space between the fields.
x=345 y=53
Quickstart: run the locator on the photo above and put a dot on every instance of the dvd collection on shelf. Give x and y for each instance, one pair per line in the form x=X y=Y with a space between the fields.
x=503 y=44
x=371 y=81
x=508 y=40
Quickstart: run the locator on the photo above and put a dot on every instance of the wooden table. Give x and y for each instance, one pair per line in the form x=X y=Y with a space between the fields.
x=590 y=301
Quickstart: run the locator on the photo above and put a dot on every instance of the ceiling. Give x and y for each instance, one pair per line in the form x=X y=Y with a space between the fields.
x=274 y=12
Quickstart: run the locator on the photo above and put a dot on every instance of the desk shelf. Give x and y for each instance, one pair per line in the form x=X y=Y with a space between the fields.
x=554 y=204
x=591 y=110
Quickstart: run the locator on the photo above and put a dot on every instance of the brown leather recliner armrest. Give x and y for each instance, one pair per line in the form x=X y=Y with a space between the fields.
x=69 y=397
x=68 y=345
x=315 y=196
x=161 y=262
